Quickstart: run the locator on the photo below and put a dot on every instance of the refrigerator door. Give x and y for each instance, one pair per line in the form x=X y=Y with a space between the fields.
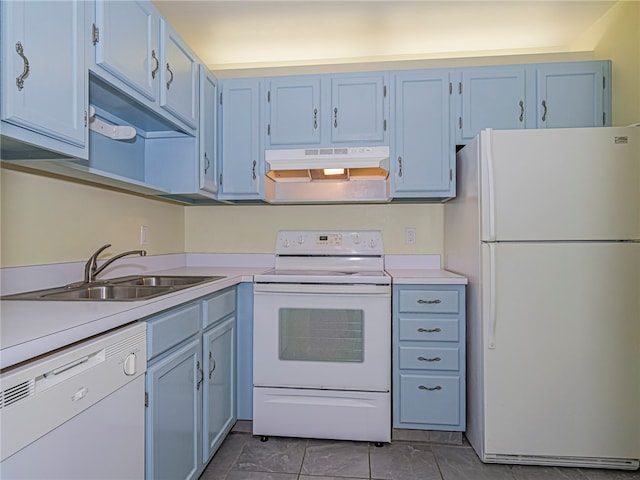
x=561 y=336
x=560 y=184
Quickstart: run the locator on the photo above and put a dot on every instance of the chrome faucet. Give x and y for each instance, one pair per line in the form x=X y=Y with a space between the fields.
x=91 y=269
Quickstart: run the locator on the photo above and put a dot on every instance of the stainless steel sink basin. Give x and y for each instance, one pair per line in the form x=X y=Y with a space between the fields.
x=120 y=289
x=164 y=280
x=108 y=292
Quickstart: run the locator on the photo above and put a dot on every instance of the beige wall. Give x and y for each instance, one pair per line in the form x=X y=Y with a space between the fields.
x=252 y=229
x=616 y=37
x=46 y=220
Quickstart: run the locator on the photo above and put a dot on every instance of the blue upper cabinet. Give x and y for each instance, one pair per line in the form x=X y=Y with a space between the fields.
x=44 y=83
x=423 y=158
x=125 y=36
x=178 y=76
x=359 y=108
x=138 y=52
x=325 y=110
x=294 y=111
x=573 y=95
x=240 y=152
x=207 y=132
x=490 y=97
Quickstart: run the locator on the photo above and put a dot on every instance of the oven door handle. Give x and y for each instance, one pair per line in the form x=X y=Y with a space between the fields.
x=323 y=288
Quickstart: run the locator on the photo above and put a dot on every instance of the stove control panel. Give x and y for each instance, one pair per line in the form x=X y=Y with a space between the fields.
x=316 y=242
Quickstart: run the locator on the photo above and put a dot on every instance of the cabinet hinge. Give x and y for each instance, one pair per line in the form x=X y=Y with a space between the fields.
x=604 y=82
x=450 y=88
x=269 y=96
x=384 y=126
x=604 y=118
x=450 y=175
x=460 y=88
x=268 y=129
x=85 y=118
x=220 y=98
x=220 y=182
x=95 y=34
x=460 y=123
x=384 y=91
x=146 y=399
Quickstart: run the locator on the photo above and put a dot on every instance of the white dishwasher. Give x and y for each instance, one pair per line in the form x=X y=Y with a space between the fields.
x=77 y=413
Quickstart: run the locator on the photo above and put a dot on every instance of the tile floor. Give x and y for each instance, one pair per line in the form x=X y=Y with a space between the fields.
x=244 y=457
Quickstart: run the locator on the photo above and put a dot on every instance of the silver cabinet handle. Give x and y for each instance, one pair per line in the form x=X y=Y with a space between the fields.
x=434 y=359
x=315 y=118
x=199 y=369
x=171 y=77
x=335 y=117
x=207 y=163
x=399 y=166
x=430 y=302
x=431 y=389
x=157 y=64
x=211 y=369
x=544 y=113
x=521 y=111
x=25 y=73
x=253 y=170
x=429 y=330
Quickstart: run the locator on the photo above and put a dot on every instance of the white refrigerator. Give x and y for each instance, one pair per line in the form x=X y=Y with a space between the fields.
x=546 y=226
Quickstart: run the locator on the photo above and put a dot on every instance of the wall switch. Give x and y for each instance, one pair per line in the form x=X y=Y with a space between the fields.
x=144 y=235
x=410 y=236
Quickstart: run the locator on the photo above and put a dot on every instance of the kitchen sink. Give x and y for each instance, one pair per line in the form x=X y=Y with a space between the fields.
x=131 y=288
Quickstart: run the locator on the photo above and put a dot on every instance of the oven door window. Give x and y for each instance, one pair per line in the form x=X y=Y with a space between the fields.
x=321 y=335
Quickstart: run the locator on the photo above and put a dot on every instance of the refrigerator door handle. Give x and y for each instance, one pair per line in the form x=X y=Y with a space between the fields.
x=488 y=154
x=492 y=296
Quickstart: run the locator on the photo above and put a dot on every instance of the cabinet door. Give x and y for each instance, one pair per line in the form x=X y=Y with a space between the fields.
x=126 y=43
x=294 y=113
x=44 y=85
x=207 y=131
x=219 y=412
x=178 y=76
x=358 y=105
x=572 y=95
x=173 y=414
x=240 y=159
x=491 y=97
x=424 y=158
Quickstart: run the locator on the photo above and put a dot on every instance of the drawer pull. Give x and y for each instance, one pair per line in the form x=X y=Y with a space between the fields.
x=434 y=359
x=431 y=389
x=430 y=302
x=429 y=330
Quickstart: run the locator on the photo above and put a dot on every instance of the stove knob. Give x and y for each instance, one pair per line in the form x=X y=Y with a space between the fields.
x=356 y=238
x=300 y=239
x=285 y=243
x=372 y=243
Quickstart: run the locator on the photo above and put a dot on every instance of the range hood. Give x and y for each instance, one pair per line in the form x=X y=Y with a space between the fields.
x=326 y=175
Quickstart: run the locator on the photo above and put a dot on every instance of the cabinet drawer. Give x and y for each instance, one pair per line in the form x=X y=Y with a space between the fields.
x=432 y=301
x=218 y=307
x=430 y=358
x=443 y=330
x=167 y=330
x=430 y=399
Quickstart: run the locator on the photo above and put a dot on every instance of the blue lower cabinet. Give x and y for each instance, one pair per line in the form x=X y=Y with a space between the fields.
x=429 y=357
x=190 y=385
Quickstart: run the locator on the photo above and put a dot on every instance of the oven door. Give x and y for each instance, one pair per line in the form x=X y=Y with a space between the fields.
x=322 y=336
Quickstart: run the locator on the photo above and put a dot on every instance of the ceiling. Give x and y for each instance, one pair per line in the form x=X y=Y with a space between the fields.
x=245 y=34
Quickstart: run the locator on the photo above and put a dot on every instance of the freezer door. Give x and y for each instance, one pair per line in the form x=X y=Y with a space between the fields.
x=560 y=184
x=562 y=349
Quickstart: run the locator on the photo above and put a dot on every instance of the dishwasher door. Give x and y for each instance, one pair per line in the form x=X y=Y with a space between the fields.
x=77 y=413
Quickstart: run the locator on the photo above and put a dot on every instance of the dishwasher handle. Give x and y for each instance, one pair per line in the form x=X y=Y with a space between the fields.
x=68 y=370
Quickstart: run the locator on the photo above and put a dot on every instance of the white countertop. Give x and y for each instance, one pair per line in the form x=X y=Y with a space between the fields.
x=424 y=276
x=32 y=328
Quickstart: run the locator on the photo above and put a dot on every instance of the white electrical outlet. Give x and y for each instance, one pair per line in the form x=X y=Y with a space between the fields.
x=144 y=235
x=410 y=236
